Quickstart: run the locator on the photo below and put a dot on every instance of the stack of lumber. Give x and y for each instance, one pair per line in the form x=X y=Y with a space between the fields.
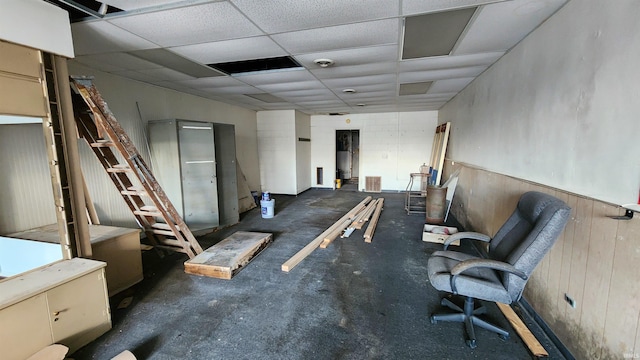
x=366 y=211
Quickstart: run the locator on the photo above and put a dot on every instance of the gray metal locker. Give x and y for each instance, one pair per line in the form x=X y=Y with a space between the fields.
x=187 y=162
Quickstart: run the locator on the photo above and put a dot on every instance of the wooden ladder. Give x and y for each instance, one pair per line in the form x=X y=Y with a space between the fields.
x=151 y=207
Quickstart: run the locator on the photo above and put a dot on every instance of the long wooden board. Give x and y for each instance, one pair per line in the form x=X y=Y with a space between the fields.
x=224 y=259
x=368 y=233
x=310 y=247
x=529 y=339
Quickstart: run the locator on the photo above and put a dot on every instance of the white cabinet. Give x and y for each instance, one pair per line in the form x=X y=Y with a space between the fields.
x=65 y=302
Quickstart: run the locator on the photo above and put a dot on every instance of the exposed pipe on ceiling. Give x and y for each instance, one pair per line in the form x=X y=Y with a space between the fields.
x=99 y=14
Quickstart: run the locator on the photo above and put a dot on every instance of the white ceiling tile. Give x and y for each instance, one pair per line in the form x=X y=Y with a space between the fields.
x=276 y=77
x=300 y=94
x=121 y=60
x=166 y=74
x=431 y=75
x=444 y=62
x=347 y=57
x=517 y=18
x=355 y=70
x=132 y=74
x=231 y=50
x=291 y=86
x=354 y=82
x=211 y=82
x=450 y=85
x=370 y=33
x=96 y=63
x=189 y=25
x=277 y=16
x=412 y=7
x=95 y=37
x=129 y=5
x=242 y=89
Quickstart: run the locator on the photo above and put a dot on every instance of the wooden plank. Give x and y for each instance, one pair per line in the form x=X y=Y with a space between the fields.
x=525 y=334
x=359 y=221
x=226 y=258
x=368 y=234
x=334 y=234
x=308 y=249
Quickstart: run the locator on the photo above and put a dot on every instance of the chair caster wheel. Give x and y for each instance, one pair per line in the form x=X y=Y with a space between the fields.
x=504 y=337
x=472 y=344
x=433 y=320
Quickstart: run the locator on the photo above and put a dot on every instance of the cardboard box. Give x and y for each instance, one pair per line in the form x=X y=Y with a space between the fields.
x=438 y=234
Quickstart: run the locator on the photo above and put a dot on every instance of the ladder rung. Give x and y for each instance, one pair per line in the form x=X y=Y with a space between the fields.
x=163 y=226
x=163 y=232
x=147 y=213
x=169 y=242
x=149 y=208
x=119 y=168
x=132 y=190
x=102 y=143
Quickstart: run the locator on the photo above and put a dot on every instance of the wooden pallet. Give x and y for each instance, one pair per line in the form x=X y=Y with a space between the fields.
x=224 y=259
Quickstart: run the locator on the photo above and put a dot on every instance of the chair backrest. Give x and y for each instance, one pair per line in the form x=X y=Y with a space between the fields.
x=527 y=236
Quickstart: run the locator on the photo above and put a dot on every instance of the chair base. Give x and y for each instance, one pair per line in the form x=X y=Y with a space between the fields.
x=469 y=317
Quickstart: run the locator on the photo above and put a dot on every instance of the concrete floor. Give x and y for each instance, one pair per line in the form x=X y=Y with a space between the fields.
x=352 y=300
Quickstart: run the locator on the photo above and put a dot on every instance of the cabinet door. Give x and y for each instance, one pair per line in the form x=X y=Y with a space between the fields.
x=79 y=310
x=24 y=328
x=198 y=166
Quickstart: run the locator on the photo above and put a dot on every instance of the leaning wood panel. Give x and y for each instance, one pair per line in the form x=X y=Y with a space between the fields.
x=224 y=259
x=598 y=276
x=623 y=312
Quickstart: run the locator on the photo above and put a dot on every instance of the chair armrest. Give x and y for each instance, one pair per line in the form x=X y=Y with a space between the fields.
x=483 y=263
x=466 y=235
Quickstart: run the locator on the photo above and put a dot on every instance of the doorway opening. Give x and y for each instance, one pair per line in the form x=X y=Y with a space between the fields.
x=348 y=158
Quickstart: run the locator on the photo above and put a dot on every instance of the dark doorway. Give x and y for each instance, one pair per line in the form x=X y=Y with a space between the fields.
x=348 y=158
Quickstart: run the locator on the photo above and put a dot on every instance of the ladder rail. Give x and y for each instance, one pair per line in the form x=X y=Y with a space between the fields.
x=104 y=125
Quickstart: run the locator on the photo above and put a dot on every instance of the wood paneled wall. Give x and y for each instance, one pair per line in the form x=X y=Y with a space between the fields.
x=595 y=262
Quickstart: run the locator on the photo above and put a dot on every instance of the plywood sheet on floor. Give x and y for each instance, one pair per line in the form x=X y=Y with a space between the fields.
x=229 y=256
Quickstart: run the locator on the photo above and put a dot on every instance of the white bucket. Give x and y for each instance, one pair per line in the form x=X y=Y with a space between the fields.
x=268 y=208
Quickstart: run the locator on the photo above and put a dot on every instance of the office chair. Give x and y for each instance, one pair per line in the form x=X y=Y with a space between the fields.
x=514 y=252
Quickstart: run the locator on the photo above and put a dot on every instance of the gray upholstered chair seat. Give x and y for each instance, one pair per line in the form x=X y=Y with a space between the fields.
x=514 y=252
x=478 y=282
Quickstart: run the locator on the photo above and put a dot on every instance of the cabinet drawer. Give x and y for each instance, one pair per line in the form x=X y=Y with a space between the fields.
x=79 y=311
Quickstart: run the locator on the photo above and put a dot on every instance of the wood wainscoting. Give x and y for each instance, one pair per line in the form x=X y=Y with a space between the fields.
x=595 y=262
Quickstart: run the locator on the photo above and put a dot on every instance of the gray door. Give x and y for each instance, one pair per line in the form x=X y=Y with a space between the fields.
x=198 y=170
x=225 y=138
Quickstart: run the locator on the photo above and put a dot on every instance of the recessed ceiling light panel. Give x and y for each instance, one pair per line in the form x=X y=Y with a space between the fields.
x=434 y=34
x=256 y=65
x=349 y=91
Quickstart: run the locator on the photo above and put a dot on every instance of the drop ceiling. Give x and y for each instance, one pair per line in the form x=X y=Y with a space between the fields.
x=169 y=44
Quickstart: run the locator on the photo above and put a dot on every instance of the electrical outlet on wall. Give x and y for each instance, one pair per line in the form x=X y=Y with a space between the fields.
x=570 y=301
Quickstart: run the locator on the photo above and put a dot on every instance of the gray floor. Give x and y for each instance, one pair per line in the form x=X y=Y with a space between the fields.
x=352 y=300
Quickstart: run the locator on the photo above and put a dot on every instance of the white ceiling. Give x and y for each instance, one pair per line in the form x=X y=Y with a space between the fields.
x=364 y=38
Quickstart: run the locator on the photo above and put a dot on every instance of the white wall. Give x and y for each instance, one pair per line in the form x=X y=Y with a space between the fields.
x=392 y=145
x=560 y=109
x=158 y=103
x=303 y=152
x=277 y=151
